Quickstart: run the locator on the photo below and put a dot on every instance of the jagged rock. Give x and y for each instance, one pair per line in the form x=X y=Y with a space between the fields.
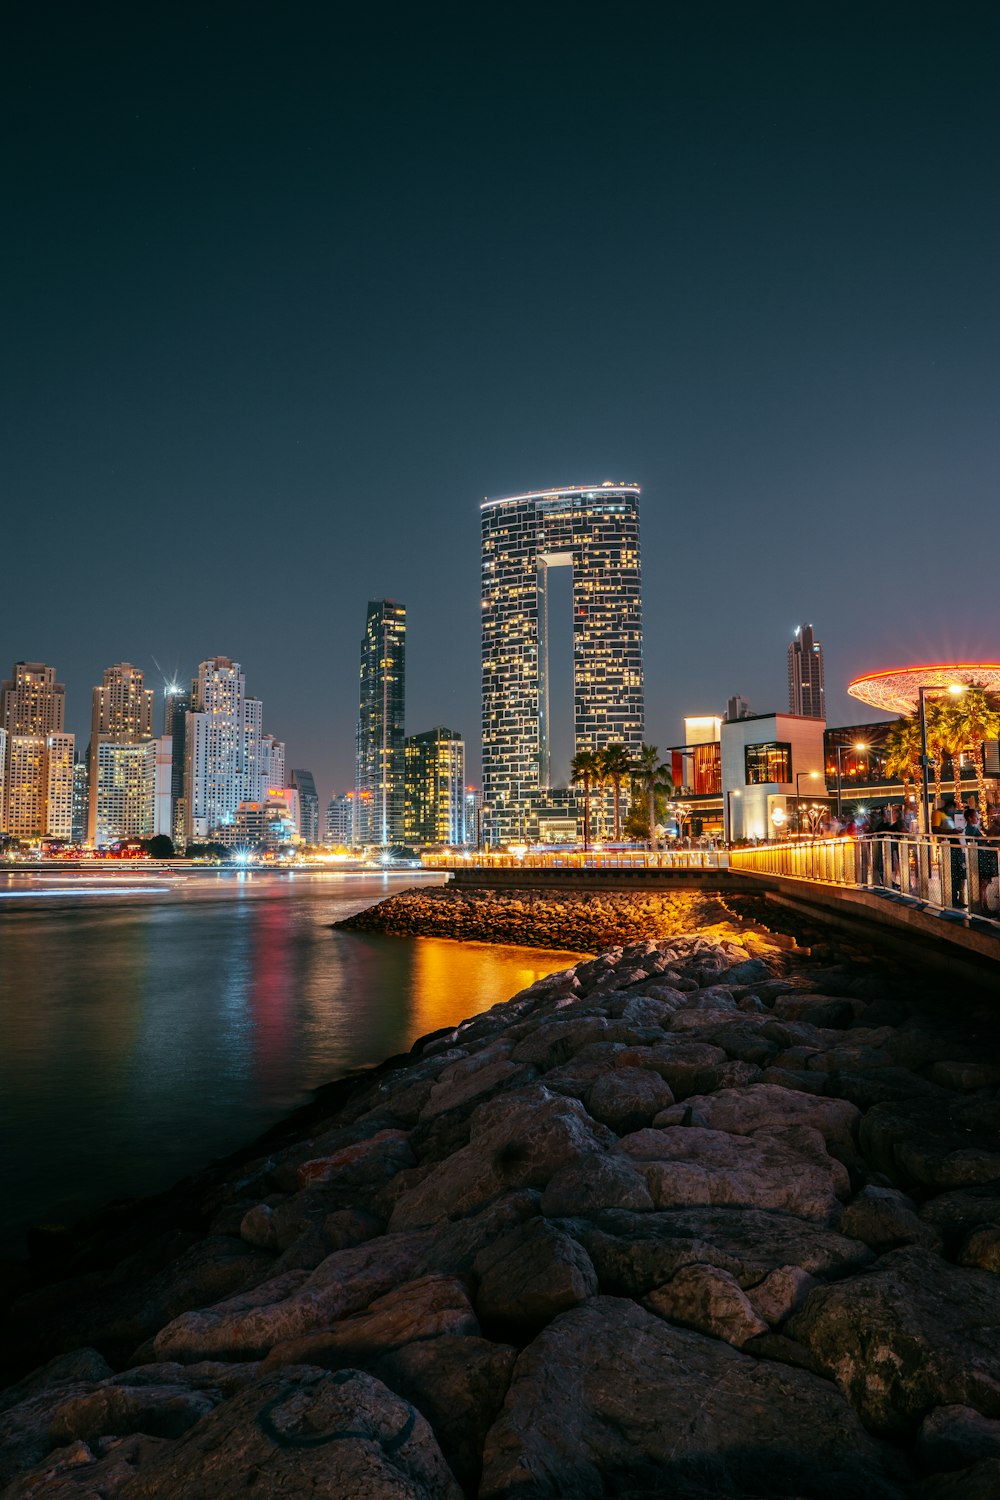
x=880 y=1086
x=161 y=1410
x=293 y=1304
x=379 y=1156
x=80 y=1471
x=909 y=1333
x=420 y=1309
x=818 y=1010
x=679 y=1063
x=303 y=1431
x=780 y=1292
x=459 y=1385
x=454 y=1245
x=709 y=1300
x=752 y=971
x=625 y=1099
x=474 y=1078
x=635 y=1252
x=954 y=1437
x=533 y=1273
x=885 y=1219
x=695 y=1165
x=739 y=1111
x=518 y=1140
x=595 y=1182
x=652 y=1009
x=78 y=1366
x=947 y=1142
x=981 y=1482
x=955 y=1214
x=982 y=1248
x=610 y=1399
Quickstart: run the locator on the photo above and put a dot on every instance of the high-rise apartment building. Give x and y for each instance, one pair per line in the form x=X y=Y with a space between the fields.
x=81 y=798
x=176 y=707
x=305 y=784
x=121 y=715
x=340 y=819
x=223 y=754
x=806 y=685
x=123 y=791
x=473 y=833
x=595 y=531
x=32 y=712
x=381 y=773
x=272 y=762
x=435 y=787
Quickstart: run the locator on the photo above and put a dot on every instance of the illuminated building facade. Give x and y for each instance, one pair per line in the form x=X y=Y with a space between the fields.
x=806 y=685
x=435 y=788
x=305 y=784
x=123 y=791
x=340 y=819
x=32 y=711
x=223 y=753
x=595 y=531
x=121 y=715
x=176 y=707
x=380 y=784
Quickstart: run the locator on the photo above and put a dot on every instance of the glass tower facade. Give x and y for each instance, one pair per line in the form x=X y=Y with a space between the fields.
x=435 y=787
x=595 y=531
x=381 y=774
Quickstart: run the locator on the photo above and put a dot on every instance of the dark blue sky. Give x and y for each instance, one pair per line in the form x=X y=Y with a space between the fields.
x=289 y=289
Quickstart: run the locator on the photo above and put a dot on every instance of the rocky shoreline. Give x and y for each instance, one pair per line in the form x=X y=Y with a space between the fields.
x=584 y=921
x=703 y=1216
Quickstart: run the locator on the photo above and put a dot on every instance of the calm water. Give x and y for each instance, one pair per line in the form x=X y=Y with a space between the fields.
x=150 y=1024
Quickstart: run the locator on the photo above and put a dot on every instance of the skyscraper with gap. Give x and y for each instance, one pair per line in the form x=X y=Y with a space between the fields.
x=380 y=781
x=595 y=531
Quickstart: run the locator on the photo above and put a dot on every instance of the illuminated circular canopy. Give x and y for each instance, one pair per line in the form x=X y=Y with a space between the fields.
x=897 y=690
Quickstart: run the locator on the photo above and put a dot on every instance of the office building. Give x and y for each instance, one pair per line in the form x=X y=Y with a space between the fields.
x=340 y=820
x=435 y=788
x=473 y=832
x=806 y=686
x=773 y=765
x=121 y=716
x=305 y=785
x=81 y=798
x=381 y=774
x=32 y=713
x=224 y=750
x=595 y=532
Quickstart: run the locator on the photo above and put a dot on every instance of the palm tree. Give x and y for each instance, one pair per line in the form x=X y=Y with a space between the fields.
x=653 y=777
x=975 y=719
x=903 y=752
x=616 y=765
x=583 y=769
x=935 y=721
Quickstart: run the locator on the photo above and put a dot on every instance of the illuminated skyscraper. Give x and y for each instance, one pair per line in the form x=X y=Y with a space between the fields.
x=223 y=754
x=176 y=707
x=121 y=715
x=38 y=797
x=806 y=685
x=595 y=531
x=381 y=776
x=435 y=787
x=305 y=784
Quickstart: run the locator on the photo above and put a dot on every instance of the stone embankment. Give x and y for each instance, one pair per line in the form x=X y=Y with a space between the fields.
x=694 y=1218
x=583 y=921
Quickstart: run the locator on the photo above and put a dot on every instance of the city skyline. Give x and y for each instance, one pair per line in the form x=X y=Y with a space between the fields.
x=313 y=284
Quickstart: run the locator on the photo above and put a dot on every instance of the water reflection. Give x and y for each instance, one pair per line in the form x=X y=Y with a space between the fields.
x=141 y=1035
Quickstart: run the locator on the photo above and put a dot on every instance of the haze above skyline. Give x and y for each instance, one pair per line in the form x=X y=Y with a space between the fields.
x=287 y=293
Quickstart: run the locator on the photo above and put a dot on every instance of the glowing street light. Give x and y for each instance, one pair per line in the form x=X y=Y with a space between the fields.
x=858 y=745
x=813 y=776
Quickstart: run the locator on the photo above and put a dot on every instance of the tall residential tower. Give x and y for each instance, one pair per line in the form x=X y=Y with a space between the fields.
x=595 y=531
x=37 y=779
x=381 y=775
x=806 y=686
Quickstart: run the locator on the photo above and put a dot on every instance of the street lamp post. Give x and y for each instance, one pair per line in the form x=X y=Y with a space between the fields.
x=956 y=689
x=840 y=750
x=732 y=792
x=814 y=775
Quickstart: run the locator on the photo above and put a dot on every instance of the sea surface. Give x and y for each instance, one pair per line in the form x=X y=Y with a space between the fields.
x=150 y=1024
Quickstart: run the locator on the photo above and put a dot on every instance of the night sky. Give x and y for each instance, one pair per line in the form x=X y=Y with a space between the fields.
x=289 y=289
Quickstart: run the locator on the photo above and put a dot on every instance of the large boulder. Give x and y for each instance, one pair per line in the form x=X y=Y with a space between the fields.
x=741 y=1111
x=610 y=1400
x=699 y=1166
x=909 y=1333
x=936 y=1144
x=626 y=1099
x=517 y=1140
x=709 y=1300
x=955 y=1437
x=303 y=1431
x=533 y=1273
x=635 y=1252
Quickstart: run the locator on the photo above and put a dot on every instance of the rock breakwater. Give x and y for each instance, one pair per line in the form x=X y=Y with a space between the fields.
x=588 y=922
x=696 y=1217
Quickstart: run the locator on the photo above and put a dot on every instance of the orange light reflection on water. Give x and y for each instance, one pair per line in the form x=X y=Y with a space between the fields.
x=452 y=980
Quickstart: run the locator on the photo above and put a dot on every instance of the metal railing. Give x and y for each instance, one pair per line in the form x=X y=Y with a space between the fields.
x=576 y=859
x=944 y=872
